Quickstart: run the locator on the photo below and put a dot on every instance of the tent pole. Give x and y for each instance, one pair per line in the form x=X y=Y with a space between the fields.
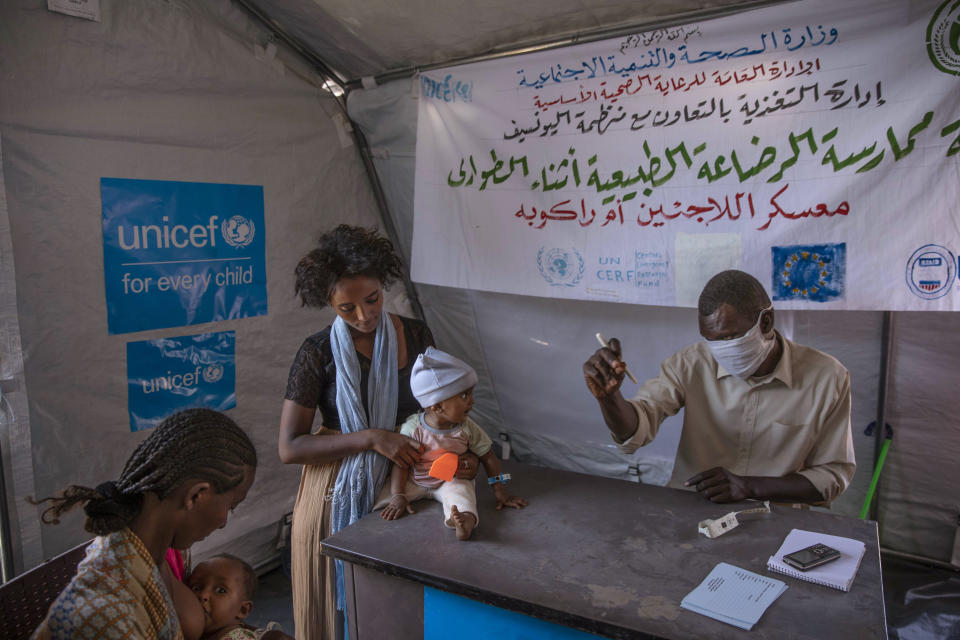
x=912 y=557
x=886 y=342
x=594 y=35
x=361 y=142
x=389 y=227
x=6 y=538
x=304 y=51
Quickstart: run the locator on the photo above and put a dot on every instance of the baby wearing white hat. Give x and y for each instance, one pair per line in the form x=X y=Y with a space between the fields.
x=443 y=385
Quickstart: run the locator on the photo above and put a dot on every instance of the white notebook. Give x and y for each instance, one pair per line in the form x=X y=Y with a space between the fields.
x=733 y=595
x=838 y=574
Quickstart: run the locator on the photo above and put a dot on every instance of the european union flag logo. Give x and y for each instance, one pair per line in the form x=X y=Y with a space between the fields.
x=814 y=272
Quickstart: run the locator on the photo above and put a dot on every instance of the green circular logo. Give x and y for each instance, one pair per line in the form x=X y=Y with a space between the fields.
x=943 y=37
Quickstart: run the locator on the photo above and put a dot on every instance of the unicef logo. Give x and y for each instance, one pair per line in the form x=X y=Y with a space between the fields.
x=943 y=37
x=212 y=372
x=560 y=267
x=238 y=231
x=930 y=271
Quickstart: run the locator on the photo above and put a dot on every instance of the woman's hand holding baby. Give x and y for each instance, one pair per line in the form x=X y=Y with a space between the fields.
x=400 y=449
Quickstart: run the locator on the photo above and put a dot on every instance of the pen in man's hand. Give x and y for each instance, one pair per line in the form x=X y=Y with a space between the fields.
x=603 y=343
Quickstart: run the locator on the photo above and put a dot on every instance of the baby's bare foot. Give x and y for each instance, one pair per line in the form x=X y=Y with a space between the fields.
x=463 y=523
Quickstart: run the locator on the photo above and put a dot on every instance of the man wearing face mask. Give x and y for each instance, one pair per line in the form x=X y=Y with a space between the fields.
x=764 y=417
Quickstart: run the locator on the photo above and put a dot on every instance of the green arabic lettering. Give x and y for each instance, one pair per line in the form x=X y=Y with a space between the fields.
x=830 y=157
x=463 y=175
x=718 y=170
x=767 y=156
x=473 y=169
x=575 y=167
x=514 y=162
x=486 y=175
x=899 y=152
x=874 y=161
x=559 y=184
x=947 y=130
x=794 y=140
x=670 y=153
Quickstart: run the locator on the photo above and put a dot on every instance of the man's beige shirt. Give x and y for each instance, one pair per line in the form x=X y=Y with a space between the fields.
x=797 y=419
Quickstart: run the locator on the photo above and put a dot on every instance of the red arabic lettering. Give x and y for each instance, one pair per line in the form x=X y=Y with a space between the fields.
x=714 y=208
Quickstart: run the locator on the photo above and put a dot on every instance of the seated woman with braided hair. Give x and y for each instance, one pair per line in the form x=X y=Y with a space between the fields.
x=179 y=486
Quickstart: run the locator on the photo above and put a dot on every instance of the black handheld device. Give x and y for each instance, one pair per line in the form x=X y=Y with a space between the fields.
x=813 y=556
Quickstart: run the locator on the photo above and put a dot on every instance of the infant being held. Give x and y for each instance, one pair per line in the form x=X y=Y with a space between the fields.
x=443 y=385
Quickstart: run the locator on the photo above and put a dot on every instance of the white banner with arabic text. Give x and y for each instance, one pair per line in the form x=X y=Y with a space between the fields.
x=814 y=144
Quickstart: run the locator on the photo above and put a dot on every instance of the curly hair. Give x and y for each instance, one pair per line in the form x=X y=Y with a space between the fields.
x=196 y=444
x=343 y=253
x=738 y=289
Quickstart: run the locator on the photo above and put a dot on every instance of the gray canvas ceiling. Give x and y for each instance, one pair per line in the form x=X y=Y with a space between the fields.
x=358 y=38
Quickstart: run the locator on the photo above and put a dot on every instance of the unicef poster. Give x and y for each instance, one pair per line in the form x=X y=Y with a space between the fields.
x=171 y=374
x=181 y=253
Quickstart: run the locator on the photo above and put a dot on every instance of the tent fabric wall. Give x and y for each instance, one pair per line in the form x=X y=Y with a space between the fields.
x=919 y=509
x=531 y=349
x=368 y=38
x=168 y=91
x=17 y=461
x=182 y=90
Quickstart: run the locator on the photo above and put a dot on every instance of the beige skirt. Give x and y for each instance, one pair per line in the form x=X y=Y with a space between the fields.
x=312 y=573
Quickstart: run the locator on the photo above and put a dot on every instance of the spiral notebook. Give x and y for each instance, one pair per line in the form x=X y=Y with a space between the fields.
x=838 y=574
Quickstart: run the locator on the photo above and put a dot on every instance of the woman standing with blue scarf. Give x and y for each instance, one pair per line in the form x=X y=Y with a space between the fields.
x=357 y=373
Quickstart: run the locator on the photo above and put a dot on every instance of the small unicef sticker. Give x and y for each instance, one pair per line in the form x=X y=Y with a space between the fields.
x=238 y=231
x=930 y=271
x=815 y=272
x=943 y=37
x=213 y=372
x=560 y=267
x=169 y=374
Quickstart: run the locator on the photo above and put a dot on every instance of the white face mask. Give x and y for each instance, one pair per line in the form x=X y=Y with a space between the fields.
x=744 y=355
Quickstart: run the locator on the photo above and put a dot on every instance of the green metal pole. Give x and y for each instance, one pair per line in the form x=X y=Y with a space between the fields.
x=873 y=481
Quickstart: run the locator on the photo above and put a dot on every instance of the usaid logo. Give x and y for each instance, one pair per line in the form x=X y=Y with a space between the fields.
x=930 y=271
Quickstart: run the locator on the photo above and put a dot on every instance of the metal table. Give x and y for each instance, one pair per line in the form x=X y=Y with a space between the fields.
x=608 y=557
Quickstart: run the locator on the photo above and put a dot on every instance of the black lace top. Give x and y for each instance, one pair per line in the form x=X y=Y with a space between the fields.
x=313 y=374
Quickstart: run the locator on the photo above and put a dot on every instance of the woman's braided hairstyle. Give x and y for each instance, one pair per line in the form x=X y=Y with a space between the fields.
x=345 y=252
x=196 y=444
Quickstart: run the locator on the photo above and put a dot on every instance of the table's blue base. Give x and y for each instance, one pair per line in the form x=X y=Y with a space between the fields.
x=447 y=616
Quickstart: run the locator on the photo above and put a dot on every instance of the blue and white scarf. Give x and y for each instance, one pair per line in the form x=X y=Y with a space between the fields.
x=362 y=474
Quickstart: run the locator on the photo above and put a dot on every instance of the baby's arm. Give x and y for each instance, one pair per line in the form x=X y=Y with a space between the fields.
x=491 y=464
x=398 y=503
